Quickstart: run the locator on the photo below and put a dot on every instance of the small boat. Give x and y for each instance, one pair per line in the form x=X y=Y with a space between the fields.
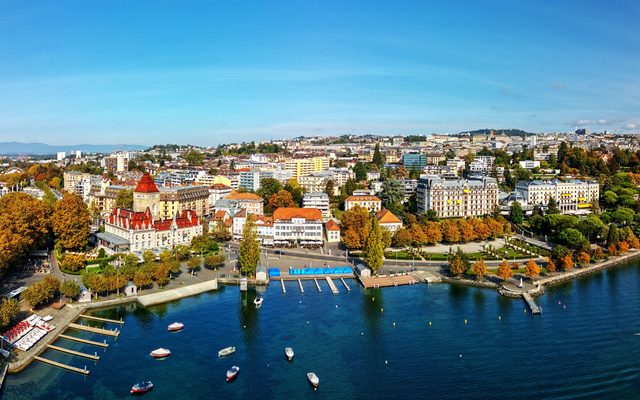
x=142 y=387
x=160 y=353
x=313 y=380
x=232 y=373
x=176 y=326
x=226 y=351
x=258 y=301
x=288 y=352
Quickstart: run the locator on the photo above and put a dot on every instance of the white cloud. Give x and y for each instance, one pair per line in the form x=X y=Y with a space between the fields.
x=603 y=121
x=582 y=122
x=630 y=126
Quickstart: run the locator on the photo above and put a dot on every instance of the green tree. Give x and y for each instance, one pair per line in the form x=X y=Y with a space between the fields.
x=374 y=247
x=70 y=222
x=214 y=260
x=9 y=310
x=296 y=191
x=552 y=206
x=70 y=289
x=329 y=188
x=392 y=193
x=194 y=157
x=249 y=248
x=269 y=187
x=124 y=199
x=360 y=170
x=516 y=214
x=378 y=158
x=202 y=244
x=194 y=263
x=131 y=260
x=573 y=239
x=613 y=236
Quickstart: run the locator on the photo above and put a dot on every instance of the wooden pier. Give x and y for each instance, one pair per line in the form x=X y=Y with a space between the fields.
x=73 y=352
x=85 y=341
x=345 y=284
x=332 y=286
x=317 y=285
x=300 y=284
x=93 y=329
x=84 y=371
x=531 y=303
x=284 y=290
x=113 y=321
x=386 y=281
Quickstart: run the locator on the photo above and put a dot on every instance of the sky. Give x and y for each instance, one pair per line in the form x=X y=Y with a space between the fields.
x=211 y=72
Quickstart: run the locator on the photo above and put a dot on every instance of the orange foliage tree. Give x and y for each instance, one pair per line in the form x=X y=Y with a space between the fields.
x=450 y=231
x=584 y=258
x=623 y=247
x=504 y=271
x=551 y=265
x=355 y=223
x=479 y=268
x=532 y=269
x=567 y=262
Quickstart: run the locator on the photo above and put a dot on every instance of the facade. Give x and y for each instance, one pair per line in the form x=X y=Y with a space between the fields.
x=530 y=164
x=317 y=200
x=572 y=196
x=306 y=166
x=435 y=158
x=175 y=200
x=303 y=225
x=264 y=226
x=457 y=197
x=482 y=164
x=249 y=201
x=332 y=231
x=371 y=203
x=414 y=160
x=316 y=182
x=118 y=162
x=216 y=192
x=146 y=196
x=103 y=195
x=388 y=220
x=80 y=183
x=441 y=170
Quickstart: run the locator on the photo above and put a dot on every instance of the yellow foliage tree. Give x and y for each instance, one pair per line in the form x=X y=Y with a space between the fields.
x=70 y=222
x=23 y=225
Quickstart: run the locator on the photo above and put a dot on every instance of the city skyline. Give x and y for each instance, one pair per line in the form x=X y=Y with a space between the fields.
x=218 y=73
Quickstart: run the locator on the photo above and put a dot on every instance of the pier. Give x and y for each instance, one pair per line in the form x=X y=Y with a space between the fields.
x=299 y=284
x=531 y=303
x=73 y=352
x=317 y=285
x=345 y=284
x=284 y=290
x=85 y=341
x=332 y=286
x=84 y=371
x=93 y=329
x=91 y=317
x=177 y=293
x=386 y=281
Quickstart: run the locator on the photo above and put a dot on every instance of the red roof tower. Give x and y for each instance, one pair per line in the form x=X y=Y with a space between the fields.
x=146 y=185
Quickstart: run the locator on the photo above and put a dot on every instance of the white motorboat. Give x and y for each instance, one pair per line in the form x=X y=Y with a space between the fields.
x=313 y=380
x=176 y=326
x=160 y=353
x=288 y=352
x=226 y=351
x=232 y=373
x=258 y=301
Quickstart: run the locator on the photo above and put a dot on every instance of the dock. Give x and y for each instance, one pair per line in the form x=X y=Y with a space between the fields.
x=317 y=285
x=84 y=371
x=299 y=284
x=177 y=293
x=387 y=281
x=284 y=290
x=91 y=317
x=73 y=352
x=93 y=329
x=531 y=303
x=345 y=284
x=332 y=286
x=85 y=341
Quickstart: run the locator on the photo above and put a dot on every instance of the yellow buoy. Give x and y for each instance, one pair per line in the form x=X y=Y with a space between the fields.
x=381 y=309
x=429 y=323
x=499 y=317
x=465 y=321
x=373 y=299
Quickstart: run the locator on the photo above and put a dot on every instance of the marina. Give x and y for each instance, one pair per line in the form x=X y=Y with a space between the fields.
x=84 y=341
x=94 y=356
x=83 y=371
x=332 y=286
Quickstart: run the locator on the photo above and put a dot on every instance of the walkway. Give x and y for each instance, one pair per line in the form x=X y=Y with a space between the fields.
x=177 y=293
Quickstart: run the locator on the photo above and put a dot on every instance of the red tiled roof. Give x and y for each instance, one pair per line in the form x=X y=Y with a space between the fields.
x=243 y=196
x=220 y=186
x=187 y=219
x=146 y=185
x=362 y=198
x=387 y=217
x=285 y=213
x=332 y=225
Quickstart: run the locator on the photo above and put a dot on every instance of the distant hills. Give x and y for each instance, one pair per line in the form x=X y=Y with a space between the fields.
x=20 y=148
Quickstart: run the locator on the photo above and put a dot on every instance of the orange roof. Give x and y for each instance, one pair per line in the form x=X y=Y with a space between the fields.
x=284 y=213
x=243 y=196
x=387 y=217
x=146 y=184
x=362 y=198
x=332 y=225
x=220 y=186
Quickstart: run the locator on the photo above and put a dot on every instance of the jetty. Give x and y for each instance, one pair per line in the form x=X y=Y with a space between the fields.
x=91 y=317
x=73 y=352
x=386 y=281
x=299 y=284
x=345 y=284
x=84 y=371
x=317 y=285
x=531 y=303
x=84 y=341
x=284 y=290
x=177 y=293
x=93 y=329
x=332 y=286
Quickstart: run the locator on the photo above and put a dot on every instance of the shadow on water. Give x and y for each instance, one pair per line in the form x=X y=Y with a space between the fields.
x=248 y=313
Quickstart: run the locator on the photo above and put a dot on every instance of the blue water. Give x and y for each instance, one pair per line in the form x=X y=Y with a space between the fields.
x=582 y=347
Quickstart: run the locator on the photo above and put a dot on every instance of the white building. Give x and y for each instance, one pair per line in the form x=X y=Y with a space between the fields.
x=61 y=155
x=303 y=225
x=457 y=197
x=530 y=164
x=332 y=231
x=317 y=200
x=572 y=197
x=371 y=203
x=482 y=164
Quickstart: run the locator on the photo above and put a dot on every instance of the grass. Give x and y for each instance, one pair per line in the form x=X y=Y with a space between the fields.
x=510 y=253
x=400 y=255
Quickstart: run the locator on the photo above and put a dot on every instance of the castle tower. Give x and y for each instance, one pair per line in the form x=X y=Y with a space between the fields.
x=146 y=196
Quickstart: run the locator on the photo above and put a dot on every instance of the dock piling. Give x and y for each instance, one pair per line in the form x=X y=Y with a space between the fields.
x=300 y=284
x=317 y=285
x=283 y=288
x=345 y=284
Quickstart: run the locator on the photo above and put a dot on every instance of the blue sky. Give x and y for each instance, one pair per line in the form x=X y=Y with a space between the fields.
x=212 y=72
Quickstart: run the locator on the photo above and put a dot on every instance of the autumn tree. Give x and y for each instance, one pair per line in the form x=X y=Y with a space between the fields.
x=214 y=260
x=202 y=244
x=583 y=258
x=70 y=289
x=249 y=248
x=269 y=187
x=567 y=262
x=194 y=263
x=9 y=310
x=450 y=232
x=41 y=292
x=374 y=248
x=551 y=265
x=623 y=247
x=504 y=270
x=531 y=269
x=457 y=264
x=70 y=222
x=467 y=232
x=73 y=261
x=402 y=238
x=124 y=199
x=598 y=254
x=355 y=225
x=479 y=269
x=282 y=198
x=23 y=226
x=141 y=279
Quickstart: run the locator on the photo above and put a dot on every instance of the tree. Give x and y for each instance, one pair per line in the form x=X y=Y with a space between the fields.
x=214 y=260
x=194 y=263
x=402 y=238
x=457 y=265
x=613 y=236
x=378 y=158
x=329 y=188
x=269 y=187
x=504 y=270
x=296 y=191
x=450 y=232
x=70 y=289
x=374 y=247
x=466 y=230
x=567 y=262
x=148 y=257
x=392 y=193
x=280 y=199
x=598 y=254
x=124 y=199
x=70 y=222
x=623 y=247
x=55 y=182
x=531 y=269
x=142 y=278
x=202 y=244
x=41 y=292
x=249 y=248
x=73 y=261
x=221 y=232
x=552 y=206
x=433 y=232
x=515 y=213
x=583 y=258
x=355 y=225
x=181 y=252
x=193 y=157
x=9 y=310
x=23 y=226
x=479 y=269
x=360 y=170
x=573 y=238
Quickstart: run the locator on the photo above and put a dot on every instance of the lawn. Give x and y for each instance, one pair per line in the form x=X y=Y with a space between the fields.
x=510 y=253
x=400 y=255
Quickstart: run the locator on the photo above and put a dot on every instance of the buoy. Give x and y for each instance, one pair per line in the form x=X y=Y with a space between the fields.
x=394 y=324
x=564 y=306
x=499 y=317
x=386 y=362
x=460 y=355
x=525 y=310
x=429 y=323
x=336 y=306
x=381 y=309
x=465 y=321
x=244 y=326
x=373 y=299
x=300 y=301
x=362 y=333
x=307 y=322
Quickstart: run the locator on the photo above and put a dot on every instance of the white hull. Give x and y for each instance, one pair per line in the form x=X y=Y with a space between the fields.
x=160 y=353
x=288 y=352
x=226 y=351
x=313 y=380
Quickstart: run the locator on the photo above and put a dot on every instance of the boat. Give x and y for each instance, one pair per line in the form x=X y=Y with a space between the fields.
x=258 y=301
x=313 y=380
x=160 y=353
x=176 y=326
x=226 y=351
x=232 y=373
x=142 y=387
x=288 y=352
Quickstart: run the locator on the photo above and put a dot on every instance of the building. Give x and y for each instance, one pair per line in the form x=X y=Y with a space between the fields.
x=61 y=155
x=371 y=203
x=414 y=160
x=103 y=195
x=131 y=231
x=572 y=197
x=435 y=158
x=332 y=231
x=249 y=201
x=530 y=164
x=175 y=200
x=317 y=200
x=250 y=180
x=216 y=192
x=316 y=182
x=306 y=166
x=297 y=225
x=456 y=163
x=146 y=196
x=118 y=162
x=482 y=164
x=457 y=197
x=388 y=220
x=409 y=187
x=264 y=226
x=441 y=170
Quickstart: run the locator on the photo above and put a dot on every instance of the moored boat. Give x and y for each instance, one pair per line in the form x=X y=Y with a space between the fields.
x=226 y=351
x=313 y=380
x=160 y=353
x=142 y=387
x=232 y=373
x=258 y=301
x=176 y=326
x=288 y=352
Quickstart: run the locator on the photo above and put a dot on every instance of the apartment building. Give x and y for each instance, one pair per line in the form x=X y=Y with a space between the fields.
x=572 y=197
x=457 y=197
x=371 y=203
x=319 y=200
x=302 y=225
x=306 y=166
